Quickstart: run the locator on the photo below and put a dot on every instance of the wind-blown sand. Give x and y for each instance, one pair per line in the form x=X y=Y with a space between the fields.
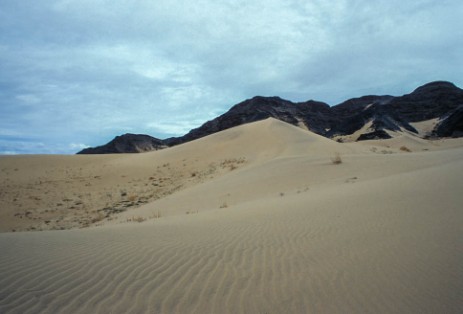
x=255 y=219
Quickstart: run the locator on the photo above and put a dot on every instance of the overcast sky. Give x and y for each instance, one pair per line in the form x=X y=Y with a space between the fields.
x=76 y=73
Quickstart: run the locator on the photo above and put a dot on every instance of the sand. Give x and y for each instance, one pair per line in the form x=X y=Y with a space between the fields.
x=255 y=219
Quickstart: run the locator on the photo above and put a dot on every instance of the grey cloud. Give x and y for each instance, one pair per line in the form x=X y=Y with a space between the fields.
x=83 y=71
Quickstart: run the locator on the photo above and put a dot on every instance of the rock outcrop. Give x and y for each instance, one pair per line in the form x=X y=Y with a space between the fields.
x=436 y=100
x=311 y=113
x=127 y=143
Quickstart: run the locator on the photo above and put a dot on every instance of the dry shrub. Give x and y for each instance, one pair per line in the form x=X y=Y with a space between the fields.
x=139 y=219
x=336 y=159
x=405 y=149
x=136 y=219
x=232 y=163
x=132 y=197
x=99 y=217
x=156 y=215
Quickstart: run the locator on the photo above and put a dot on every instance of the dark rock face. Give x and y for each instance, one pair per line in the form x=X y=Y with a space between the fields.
x=376 y=135
x=438 y=99
x=353 y=114
x=451 y=126
x=310 y=113
x=127 y=143
x=432 y=100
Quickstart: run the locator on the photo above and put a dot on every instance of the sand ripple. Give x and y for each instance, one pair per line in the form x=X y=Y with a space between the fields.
x=290 y=256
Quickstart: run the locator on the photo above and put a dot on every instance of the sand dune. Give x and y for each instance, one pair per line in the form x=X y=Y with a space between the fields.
x=62 y=192
x=268 y=224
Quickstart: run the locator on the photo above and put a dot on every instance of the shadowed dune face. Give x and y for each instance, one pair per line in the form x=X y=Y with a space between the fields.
x=255 y=219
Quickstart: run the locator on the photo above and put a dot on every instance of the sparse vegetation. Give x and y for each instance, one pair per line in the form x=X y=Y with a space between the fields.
x=136 y=219
x=351 y=180
x=156 y=215
x=336 y=159
x=232 y=163
x=99 y=217
x=133 y=197
x=75 y=195
x=405 y=149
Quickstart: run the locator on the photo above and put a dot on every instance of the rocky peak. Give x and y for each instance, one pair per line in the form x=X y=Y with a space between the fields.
x=433 y=100
x=311 y=114
x=127 y=143
x=440 y=99
x=436 y=86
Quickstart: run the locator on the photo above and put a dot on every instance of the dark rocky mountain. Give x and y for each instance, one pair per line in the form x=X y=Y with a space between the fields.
x=436 y=100
x=313 y=113
x=452 y=125
x=127 y=143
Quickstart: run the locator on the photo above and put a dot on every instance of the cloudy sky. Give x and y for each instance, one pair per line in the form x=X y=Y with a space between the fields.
x=76 y=73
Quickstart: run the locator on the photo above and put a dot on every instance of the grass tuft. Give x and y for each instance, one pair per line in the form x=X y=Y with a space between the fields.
x=405 y=149
x=336 y=159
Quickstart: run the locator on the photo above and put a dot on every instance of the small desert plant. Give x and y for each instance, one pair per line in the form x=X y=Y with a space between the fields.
x=132 y=197
x=232 y=163
x=336 y=159
x=224 y=205
x=405 y=149
x=139 y=219
x=156 y=215
x=100 y=216
x=136 y=219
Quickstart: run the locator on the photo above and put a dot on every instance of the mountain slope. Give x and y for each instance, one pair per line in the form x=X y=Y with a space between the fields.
x=315 y=114
x=383 y=114
x=127 y=143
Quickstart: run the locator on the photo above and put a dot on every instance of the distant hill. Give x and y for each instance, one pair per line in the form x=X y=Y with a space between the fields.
x=375 y=117
x=127 y=143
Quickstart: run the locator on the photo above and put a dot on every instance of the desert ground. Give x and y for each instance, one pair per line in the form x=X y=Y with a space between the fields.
x=261 y=218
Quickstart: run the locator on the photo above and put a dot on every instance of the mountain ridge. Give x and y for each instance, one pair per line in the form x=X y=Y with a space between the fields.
x=440 y=100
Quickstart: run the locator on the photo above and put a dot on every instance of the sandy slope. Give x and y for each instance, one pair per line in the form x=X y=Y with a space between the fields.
x=281 y=231
x=62 y=192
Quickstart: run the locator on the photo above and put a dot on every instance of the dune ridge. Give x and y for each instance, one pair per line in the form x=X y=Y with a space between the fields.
x=378 y=233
